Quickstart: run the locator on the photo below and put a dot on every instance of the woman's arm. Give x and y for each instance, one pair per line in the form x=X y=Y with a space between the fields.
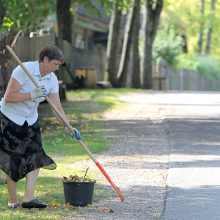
x=55 y=99
x=12 y=94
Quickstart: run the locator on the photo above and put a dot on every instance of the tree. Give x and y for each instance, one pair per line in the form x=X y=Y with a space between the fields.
x=201 y=32
x=130 y=52
x=153 y=10
x=116 y=29
x=135 y=77
x=210 y=28
x=64 y=20
x=124 y=60
x=113 y=44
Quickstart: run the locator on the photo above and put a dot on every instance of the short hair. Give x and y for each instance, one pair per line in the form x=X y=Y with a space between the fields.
x=52 y=53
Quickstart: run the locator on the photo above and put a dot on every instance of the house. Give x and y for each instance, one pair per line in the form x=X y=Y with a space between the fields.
x=88 y=52
x=90 y=28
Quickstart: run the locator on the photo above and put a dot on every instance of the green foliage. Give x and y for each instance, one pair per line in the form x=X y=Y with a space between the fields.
x=26 y=15
x=167 y=46
x=185 y=17
x=207 y=66
x=7 y=24
x=186 y=61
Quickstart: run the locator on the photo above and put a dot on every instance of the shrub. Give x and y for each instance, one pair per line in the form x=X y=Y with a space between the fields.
x=167 y=46
x=207 y=66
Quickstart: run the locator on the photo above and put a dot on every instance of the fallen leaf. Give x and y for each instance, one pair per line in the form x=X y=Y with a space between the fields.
x=102 y=209
x=54 y=204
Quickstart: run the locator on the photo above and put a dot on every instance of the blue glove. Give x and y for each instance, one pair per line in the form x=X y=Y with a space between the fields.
x=77 y=133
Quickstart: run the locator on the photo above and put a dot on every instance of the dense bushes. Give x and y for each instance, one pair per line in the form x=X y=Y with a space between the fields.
x=208 y=66
x=167 y=46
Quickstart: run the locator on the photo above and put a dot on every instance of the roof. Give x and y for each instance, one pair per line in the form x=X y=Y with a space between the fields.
x=93 y=19
x=88 y=23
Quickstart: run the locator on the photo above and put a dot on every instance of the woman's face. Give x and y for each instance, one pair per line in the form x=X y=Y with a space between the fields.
x=51 y=65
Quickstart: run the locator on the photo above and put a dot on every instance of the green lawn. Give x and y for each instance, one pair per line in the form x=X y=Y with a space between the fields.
x=84 y=109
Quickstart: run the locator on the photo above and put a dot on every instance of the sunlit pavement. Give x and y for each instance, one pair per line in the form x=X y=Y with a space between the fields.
x=156 y=130
x=192 y=120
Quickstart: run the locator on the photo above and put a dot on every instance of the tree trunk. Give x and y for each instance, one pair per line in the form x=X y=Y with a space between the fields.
x=125 y=55
x=2 y=12
x=135 y=77
x=147 y=64
x=209 y=33
x=113 y=45
x=201 y=32
x=185 y=43
x=8 y=39
x=64 y=20
x=153 y=11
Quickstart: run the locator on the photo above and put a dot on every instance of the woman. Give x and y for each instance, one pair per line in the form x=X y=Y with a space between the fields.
x=21 y=152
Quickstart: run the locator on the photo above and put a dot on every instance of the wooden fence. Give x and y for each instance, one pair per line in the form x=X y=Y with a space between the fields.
x=28 y=48
x=166 y=78
x=77 y=58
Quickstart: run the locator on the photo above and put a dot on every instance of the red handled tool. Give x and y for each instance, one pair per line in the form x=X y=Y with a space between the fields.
x=68 y=125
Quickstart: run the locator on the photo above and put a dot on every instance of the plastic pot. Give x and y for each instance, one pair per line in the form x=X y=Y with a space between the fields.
x=78 y=193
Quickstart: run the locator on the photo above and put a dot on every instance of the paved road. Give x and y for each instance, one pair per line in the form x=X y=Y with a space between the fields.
x=165 y=157
x=193 y=123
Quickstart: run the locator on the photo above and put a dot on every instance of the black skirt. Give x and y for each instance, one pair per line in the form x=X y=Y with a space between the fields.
x=21 y=149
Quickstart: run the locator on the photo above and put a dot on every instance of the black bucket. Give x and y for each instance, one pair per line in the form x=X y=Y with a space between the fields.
x=78 y=193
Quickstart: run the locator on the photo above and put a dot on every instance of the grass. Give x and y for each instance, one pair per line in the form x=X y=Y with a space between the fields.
x=84 y=109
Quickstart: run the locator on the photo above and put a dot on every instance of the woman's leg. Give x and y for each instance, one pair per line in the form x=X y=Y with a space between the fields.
x=12 y=190
x=31 y=179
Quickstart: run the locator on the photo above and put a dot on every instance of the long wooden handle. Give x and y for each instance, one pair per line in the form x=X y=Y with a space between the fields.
x=66 y=123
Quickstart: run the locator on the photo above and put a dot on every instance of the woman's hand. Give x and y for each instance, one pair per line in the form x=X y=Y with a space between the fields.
x=39 y=92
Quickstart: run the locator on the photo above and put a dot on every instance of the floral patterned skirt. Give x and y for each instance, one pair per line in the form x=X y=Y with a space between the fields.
x=21 y=149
